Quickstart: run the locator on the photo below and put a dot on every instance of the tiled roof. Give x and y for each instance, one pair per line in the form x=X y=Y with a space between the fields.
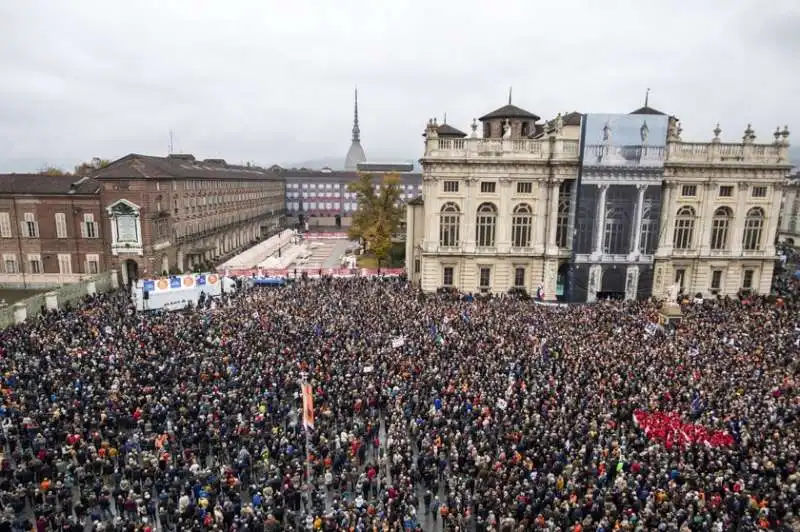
x=136 y=166
x=509 y=111
x=46 y=185
x=446 y=130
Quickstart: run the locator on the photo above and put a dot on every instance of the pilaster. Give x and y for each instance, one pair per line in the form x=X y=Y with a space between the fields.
x=550 y=279
x=468 y=218
x=739 y=216
x=773 y=215
x=552 y=215
x=540 y=208
x=705 y=216
x=504 y=210
x=666 y=224
x=595 y=282
x=599 y=230
x=631 y=282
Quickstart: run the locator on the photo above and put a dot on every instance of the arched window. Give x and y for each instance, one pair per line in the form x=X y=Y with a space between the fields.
x=615 y=239
x=649 y=234
x=684 y=228
x=753 y=227
x=449 y=225
x=521 y=223
x=719 y=228
x=486 y=225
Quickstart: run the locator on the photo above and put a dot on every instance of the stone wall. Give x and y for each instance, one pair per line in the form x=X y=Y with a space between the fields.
x=58 y=298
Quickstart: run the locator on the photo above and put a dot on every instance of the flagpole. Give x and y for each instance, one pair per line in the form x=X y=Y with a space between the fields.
x=303 y=381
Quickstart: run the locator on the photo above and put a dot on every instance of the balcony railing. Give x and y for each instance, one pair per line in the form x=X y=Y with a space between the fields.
x=711 y=152
x=519 y=149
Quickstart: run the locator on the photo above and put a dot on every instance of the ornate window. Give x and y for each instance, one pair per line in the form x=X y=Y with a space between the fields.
x=649 y=235
x=486 y=225
x=753 y=227
x=720 y=224
x=449 y=225
x=684 y=228
x=615 y=239
x=521 y=223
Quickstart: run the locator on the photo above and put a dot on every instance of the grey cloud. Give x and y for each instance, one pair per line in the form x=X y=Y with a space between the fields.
x=272 y=81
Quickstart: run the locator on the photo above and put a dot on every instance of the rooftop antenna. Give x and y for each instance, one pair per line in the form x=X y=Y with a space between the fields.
x=171 y=143
x=646 y=96
x=509 y=95
x=445 y=118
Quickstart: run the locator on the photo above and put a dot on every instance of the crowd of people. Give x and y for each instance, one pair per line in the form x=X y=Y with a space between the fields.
x=432 y=412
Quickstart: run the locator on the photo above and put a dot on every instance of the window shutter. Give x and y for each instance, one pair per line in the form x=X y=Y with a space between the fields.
x=83 y=229
x=23 y=229
x=36 y=229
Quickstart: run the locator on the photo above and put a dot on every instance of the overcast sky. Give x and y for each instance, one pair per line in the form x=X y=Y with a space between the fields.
x=272 y=81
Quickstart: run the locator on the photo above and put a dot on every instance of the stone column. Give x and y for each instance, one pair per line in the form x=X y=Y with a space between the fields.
x=636 y=241
x=552 y=247
x=20 y=312
x=51 y=300
x=601 y=221
x=595 y=282
x=114 y=279
x=91 y=288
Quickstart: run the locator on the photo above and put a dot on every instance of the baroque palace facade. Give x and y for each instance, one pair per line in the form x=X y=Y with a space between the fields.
x=577 y=208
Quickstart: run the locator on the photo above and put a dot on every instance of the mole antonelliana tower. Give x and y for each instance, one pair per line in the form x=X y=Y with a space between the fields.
x=356 y=153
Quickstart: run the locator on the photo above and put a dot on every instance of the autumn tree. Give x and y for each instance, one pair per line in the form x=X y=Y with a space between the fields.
x=378 y=214
x=87 y=168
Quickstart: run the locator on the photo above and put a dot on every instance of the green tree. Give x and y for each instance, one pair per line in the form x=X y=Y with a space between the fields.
x=378 y=214
x=52 y=170
x=87 y=168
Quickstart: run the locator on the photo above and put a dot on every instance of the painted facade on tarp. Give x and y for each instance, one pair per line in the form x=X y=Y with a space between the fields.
x=618 y=206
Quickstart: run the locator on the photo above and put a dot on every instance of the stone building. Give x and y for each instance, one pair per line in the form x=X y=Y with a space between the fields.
x=321 y=199
x=51 y=230
x=506 y=210
x=172 y=213
x=495 y=210
x=789 y=226
x=721 y=204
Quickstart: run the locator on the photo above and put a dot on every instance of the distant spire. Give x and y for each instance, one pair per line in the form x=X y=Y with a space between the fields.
x=509 y=95
x=356 y=130
x=445 y=119
x=646 y=96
